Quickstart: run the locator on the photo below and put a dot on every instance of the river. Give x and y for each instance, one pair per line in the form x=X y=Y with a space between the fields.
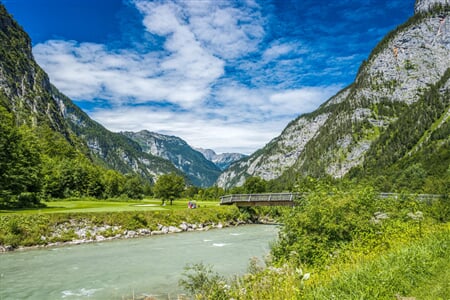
x=122 y=268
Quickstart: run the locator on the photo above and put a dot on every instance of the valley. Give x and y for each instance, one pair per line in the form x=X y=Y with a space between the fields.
x=68 y=182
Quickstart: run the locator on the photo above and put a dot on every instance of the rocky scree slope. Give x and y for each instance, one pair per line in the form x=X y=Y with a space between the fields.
x=199 y=171
x=337 y=137
x=26 y=91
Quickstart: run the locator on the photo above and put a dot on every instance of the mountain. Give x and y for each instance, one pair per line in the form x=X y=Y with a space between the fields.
x=27 y=93
x=223 y=160
x=391 y=124
x=200 y=171
x=113 y=150
x=24 y=86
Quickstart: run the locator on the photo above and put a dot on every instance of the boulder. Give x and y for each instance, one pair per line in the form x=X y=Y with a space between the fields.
x=184 y=226
x=173 y=229
x=130 y=234
x=144 y=231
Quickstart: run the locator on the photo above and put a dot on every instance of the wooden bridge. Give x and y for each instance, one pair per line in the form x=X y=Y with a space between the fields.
x=274 y=199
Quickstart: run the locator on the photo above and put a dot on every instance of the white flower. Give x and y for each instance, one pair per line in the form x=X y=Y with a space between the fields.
x=306 y=276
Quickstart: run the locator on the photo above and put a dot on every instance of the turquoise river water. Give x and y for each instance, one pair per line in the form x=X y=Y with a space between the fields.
x=122 y=268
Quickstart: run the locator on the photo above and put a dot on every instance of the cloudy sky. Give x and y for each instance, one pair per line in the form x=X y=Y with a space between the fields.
x=222 y=74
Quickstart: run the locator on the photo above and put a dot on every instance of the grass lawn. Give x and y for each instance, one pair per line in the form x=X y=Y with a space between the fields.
x=90 y=205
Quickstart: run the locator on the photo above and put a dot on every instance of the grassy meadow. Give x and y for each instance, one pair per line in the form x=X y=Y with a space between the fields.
x=89 y=205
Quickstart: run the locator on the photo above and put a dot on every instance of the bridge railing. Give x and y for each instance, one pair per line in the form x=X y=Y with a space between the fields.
x=275 y=197
x=290 y=197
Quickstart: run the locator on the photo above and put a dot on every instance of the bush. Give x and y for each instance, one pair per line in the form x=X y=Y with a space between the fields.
x=323 y=222
x=328 y=221
x=203 y=283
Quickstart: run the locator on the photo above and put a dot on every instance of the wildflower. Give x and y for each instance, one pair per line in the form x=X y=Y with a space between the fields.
x=306 y=276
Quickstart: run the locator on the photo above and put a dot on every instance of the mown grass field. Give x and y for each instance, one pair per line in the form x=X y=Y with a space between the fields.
x=91 y=205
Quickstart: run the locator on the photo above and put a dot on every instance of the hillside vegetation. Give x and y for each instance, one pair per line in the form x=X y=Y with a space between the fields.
x=346 y=244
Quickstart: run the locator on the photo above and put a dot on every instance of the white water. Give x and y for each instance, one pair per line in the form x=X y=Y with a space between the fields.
x=123 y=268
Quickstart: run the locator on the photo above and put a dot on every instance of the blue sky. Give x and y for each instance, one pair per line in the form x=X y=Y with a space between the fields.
x=221 y=74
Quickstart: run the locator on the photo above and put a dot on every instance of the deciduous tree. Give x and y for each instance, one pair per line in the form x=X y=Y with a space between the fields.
x=169 y=187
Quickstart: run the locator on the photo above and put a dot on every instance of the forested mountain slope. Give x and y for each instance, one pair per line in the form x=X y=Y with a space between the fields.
x=200 y=171
x=392 y=118
x=113 y=150
x=43 y=126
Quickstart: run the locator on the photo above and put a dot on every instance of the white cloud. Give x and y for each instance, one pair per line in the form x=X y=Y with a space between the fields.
x=89 y=71
x=277 y=50
x=198 y=100
x=239 y=102
x=198 y=131
x=225 y=30
x=243 y=121
x=302 y=100
x=182 y=73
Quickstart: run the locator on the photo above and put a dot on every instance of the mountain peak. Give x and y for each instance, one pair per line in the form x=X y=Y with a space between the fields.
x=223 y=160
x=425 y=5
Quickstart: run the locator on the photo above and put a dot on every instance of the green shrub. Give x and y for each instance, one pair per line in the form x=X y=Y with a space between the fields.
x=202 y=282
x=323 y=222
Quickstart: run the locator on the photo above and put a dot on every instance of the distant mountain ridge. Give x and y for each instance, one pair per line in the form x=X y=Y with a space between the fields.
x=397 y=107
x=112 y=149
x=223 y=160
x=200 y=171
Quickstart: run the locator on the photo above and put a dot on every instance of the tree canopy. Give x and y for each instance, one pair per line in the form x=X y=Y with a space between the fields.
x=20 y=163
x=169 y=187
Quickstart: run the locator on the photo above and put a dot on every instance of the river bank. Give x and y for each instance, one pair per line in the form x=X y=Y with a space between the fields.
x=93 y=234
x=21 y=232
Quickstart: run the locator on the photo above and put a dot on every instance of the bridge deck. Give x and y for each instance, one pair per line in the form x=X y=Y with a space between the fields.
x=273 y=199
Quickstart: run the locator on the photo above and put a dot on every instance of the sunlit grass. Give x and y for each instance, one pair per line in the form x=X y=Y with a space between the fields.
x=91 y=205
x=419 y=270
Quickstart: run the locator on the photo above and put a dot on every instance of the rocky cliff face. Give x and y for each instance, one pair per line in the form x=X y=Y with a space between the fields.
x=277 y=156
x=23 y=82
x=336 y=138
x=199 y=170
x=426 y=5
